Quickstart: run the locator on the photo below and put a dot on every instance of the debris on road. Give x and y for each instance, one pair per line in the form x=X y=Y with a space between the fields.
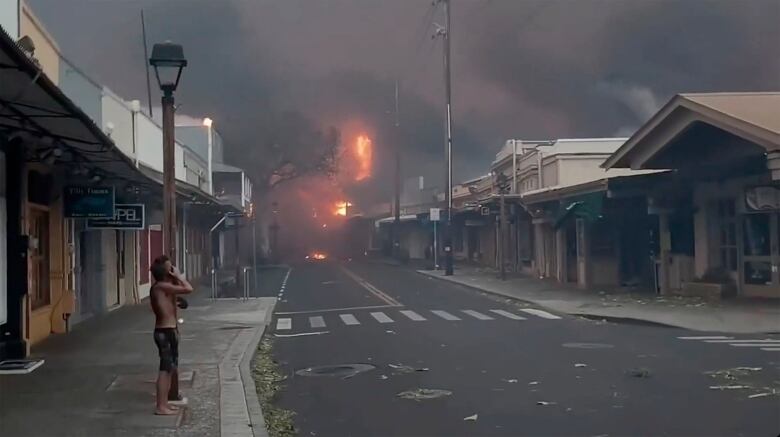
x=424 y=393
x=546 y=403
x=580 y=365
x=640 y=372
x=389 y=331
x=383 y=377
x=533 y=383
x=511 y=381
x=301 y=334
x=402 y=368
x=472 y=418
x=729 y=387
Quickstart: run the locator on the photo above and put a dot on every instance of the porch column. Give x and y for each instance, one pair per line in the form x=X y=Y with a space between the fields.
x=665 y=259
x=583 y=254
x=560 y=255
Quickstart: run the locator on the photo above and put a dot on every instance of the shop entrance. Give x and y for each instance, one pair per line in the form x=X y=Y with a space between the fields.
x=761 y=255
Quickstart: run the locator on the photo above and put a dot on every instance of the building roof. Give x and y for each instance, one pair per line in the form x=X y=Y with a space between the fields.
x=751 y=116
x=225 y=168
x=33 y=103
x=584 y=146
x=759 y=109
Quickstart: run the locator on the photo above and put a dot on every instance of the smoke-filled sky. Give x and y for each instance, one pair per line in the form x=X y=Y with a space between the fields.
x=528 y=69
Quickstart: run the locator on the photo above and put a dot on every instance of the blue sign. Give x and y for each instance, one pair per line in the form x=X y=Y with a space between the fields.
x=89 y=202
x=125 y=217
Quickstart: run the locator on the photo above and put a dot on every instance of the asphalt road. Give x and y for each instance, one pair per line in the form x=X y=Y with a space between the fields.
x=520 y=371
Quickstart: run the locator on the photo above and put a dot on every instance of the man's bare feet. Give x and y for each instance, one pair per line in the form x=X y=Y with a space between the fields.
x=166 y=411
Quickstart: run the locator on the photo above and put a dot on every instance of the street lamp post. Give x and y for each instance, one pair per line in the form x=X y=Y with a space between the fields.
x=168 y=62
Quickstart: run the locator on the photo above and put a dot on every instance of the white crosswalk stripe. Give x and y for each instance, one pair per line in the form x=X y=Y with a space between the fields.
x=507 y=314
x=477 y=315
x=743 y=341
x=283 y=324
x=317 y=322
x=391 y=315
x=765 y=344
x=445 y=315
x=753 y=344
x=381 y=317
x=413 y=316
x=349 y=319
x=539 y=313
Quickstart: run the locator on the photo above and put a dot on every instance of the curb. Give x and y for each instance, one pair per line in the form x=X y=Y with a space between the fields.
x=250 y=390
x=240 y=412
x=610 y=318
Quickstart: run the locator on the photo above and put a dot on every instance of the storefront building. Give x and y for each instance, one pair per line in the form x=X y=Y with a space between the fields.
x=723 y=203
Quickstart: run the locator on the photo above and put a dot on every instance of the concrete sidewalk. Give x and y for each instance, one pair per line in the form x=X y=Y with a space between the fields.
x=730 y=316
x=99 y=379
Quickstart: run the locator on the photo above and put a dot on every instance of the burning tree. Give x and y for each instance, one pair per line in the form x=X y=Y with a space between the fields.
x=287 y=146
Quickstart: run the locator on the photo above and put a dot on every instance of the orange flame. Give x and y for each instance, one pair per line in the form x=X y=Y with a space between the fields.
x=363 y=154
x=341 y=208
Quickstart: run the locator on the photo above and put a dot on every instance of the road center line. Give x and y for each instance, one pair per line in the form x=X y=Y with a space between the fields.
x=379 y=294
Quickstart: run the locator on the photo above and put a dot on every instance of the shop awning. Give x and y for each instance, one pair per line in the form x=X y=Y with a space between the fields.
x=588 y=207
x=34 y=108
x=391 y=219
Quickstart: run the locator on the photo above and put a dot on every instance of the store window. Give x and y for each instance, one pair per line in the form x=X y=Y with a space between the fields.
x=727 y=233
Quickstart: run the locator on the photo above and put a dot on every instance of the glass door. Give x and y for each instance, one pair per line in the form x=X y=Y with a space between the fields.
x=761 y=254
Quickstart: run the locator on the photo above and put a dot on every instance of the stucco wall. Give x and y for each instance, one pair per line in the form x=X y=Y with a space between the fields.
x=46 y=51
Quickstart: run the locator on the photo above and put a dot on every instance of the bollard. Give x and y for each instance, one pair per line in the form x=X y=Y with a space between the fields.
x=214 y=284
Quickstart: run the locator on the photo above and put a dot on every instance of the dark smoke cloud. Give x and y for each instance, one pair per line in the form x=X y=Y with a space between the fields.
x=522 y=68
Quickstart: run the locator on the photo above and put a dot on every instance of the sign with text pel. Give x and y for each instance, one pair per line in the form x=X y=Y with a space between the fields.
x=128 y=216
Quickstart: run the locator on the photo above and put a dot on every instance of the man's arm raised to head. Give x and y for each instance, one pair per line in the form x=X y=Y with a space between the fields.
x=169 y=288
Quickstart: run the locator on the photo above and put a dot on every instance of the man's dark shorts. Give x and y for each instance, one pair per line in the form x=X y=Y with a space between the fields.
x=167 y=341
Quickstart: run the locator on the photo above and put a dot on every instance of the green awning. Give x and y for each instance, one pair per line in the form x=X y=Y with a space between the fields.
x=587 y=207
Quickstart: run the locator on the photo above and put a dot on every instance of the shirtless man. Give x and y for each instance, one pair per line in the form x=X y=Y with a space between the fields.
x=174 y=397
x=168 y=284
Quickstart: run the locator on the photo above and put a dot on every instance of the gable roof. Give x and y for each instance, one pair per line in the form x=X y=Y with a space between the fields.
x=754 y=116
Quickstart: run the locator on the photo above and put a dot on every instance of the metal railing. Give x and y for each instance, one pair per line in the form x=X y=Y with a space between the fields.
x=246 y=282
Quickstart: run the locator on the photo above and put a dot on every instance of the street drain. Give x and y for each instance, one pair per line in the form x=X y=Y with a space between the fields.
x=338 y=370
x=588 y=345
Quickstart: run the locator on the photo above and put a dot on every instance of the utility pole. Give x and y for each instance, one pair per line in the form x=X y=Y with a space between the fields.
x=397 y=183
x=448 y=256
x=502 y=183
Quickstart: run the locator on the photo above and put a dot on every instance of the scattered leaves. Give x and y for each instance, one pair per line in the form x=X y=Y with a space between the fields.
x=424 y=393
x=268 y=381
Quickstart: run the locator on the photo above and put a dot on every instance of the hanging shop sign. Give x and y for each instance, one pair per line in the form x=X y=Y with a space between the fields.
x=127 y=216
x=763 y=198
x=88 y=202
